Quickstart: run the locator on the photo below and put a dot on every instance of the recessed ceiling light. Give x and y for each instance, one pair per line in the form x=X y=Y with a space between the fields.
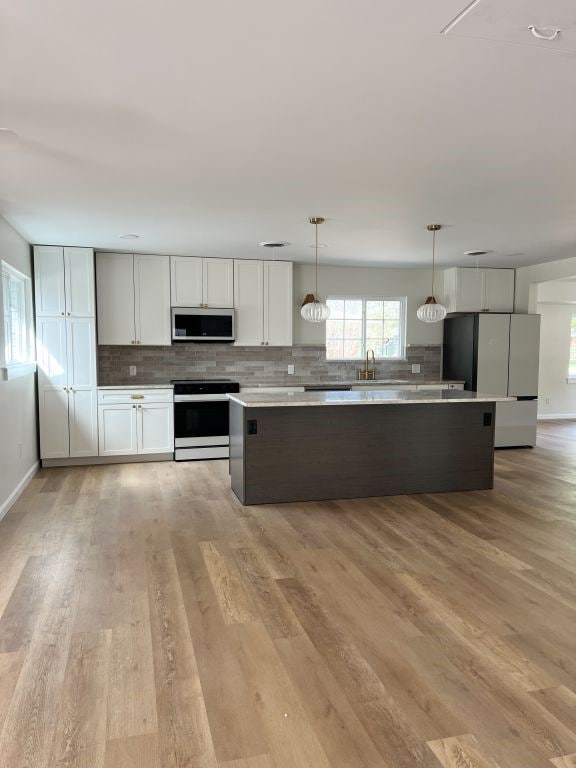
x=476 y=253
x=320 y=245
x=273 y=244
x=129 y=237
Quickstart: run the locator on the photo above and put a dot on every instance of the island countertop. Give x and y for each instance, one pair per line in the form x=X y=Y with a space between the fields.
x=372 y=397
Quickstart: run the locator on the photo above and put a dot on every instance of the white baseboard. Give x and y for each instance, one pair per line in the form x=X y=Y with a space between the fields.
x=13 y=498
x=552 y=416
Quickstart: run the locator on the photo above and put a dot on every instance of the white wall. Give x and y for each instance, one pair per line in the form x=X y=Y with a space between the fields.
x=527 y=279
x=18 y=442
x=556 y=305
x=367 y=281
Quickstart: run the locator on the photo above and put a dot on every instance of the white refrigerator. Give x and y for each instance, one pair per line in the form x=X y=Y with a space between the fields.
x=498 y=354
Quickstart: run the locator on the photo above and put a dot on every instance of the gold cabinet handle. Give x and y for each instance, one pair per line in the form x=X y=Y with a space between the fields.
x=137 y=397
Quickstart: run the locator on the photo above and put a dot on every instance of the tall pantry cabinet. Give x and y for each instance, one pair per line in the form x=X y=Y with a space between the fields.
x=66 y=351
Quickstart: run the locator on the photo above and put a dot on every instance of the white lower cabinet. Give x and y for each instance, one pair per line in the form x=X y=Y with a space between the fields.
x=155 y=428
x=117 y=430
x=54 y=431
x=135 y=422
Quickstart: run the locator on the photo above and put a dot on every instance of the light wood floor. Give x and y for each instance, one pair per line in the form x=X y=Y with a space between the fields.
x=147 y=620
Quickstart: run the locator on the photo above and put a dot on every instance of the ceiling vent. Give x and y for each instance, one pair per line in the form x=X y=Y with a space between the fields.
x=273 y=244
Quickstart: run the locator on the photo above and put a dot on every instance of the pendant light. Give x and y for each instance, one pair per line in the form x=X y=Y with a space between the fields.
x=431 y=311
x=313 y=310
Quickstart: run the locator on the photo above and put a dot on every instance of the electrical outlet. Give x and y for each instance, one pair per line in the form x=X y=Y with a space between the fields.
x=291 y=370
x=415 y=367
x=132 y=370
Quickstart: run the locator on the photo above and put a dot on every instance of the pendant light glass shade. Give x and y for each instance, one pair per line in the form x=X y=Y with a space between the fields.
x=313 y=310
x=431 y=311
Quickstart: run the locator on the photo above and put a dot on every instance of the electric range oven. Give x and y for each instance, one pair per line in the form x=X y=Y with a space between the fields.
x=201 y=418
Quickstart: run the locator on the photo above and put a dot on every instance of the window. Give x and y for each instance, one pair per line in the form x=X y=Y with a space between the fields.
x=357 y=325
x=17 y=355
x=572 y=362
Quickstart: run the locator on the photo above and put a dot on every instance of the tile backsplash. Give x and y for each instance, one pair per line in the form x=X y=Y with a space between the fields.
x=251 y=366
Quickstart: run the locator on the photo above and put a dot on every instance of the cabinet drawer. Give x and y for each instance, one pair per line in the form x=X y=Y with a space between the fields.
x=123 y=396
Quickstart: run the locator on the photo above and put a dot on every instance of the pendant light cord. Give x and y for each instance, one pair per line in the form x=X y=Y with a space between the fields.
x=316 y=228
x=433 y=258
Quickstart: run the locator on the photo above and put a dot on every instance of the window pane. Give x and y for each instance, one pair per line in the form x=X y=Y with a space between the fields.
x=392 y=310
x=352 y=329
x=374 y=329
x=353 y=350
x=392 y=329
x=334 y=350
x=336 y=308
x=353 y=309
x=374 y=310
x=334 y=329
x=392 y=349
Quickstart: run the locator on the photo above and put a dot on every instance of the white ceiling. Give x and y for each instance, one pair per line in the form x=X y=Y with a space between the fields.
x=207 y=126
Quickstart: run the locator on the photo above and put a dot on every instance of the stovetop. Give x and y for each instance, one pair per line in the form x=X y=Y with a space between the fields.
x=198 y=381
x=204 y=386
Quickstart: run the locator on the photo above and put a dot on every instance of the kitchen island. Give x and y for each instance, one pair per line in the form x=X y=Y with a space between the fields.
x=306 y=446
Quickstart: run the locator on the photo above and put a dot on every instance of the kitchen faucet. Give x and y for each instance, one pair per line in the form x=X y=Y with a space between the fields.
x=367 y=373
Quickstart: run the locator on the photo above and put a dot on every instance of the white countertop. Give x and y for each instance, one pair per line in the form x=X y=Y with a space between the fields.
x=373 y=397
x=357 y=382
x=138 y=386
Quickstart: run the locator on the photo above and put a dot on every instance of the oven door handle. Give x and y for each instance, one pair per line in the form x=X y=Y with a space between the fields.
x=200 y=398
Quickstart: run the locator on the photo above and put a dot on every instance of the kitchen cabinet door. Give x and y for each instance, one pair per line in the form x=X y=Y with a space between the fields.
x=469 y=290
x=498 y=290
x=83 y=421
x=49 y=288
x=278 y=303
x=117 y=430
x=249 y=302
x=524 y=355
x=54 y=433
x=156 y=428
x=218 y=282
x=79 y=282
x=186 y=281
x=152 y=299
x=51 y=351
x=115 y=298
x=81 y=352
x=493 y=341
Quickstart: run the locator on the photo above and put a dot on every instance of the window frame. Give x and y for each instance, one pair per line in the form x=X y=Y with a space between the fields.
x=571 y=378
x=13 y=369
x=403 y=319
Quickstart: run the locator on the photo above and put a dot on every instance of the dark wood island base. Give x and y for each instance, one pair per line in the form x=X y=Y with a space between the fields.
x=306 y=453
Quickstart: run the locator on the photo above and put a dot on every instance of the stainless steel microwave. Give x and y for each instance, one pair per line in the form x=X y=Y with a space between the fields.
x=197 y=324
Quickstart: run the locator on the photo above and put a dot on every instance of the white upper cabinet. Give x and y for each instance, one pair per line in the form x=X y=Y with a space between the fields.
x=133 y=293
x=467 y=289
x=79 y=282
x=152 y=300
x=197 y=282
x=115 y=298
x=264 y=302
x=249 y=301
x=64 y=281
x=186 y=281
x=499 y=290
x=49 y=281
x=278 y=303
x=218 y=282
